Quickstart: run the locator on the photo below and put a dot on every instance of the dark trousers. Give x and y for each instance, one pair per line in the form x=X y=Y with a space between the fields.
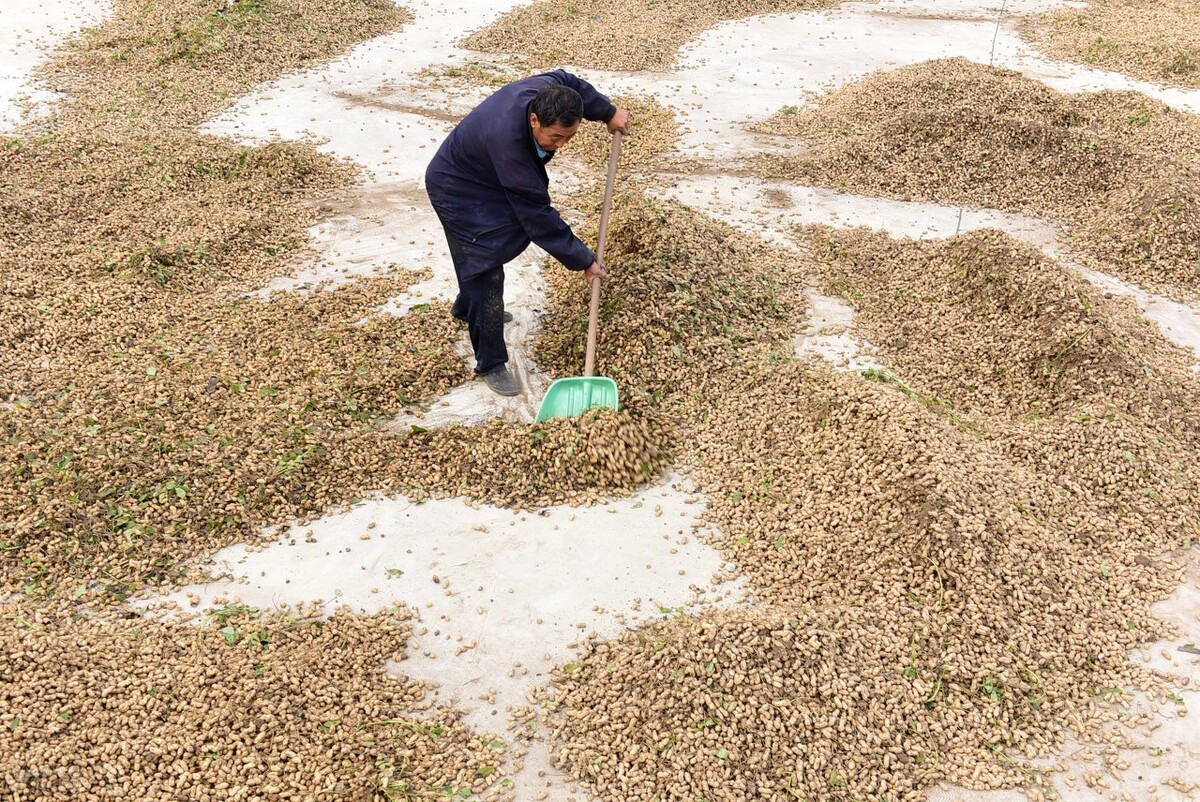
x=480 y=303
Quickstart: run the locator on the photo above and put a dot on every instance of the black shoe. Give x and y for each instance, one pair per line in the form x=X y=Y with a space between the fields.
x=507 y=317
x=501 y=381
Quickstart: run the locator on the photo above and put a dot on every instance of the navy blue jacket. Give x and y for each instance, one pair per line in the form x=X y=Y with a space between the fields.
x=489 y=185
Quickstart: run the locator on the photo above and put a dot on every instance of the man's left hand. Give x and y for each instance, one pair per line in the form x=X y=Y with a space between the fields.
x=619 y=122
x=594 y=271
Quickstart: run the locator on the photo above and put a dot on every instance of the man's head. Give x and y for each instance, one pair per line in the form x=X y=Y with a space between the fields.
x=554 y=115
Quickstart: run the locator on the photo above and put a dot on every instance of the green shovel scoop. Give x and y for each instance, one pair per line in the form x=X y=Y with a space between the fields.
x=568 y=398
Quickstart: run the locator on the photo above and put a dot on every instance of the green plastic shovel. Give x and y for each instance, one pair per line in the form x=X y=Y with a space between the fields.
x=567 y=398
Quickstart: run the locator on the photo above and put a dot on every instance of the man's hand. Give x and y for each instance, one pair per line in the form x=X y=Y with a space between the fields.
x=595 y=270
x=619 y=122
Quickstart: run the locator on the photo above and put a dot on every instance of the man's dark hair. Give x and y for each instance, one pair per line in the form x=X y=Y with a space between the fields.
x=557 y=104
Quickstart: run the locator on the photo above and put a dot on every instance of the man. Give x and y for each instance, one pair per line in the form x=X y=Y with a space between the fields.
x=489 y=187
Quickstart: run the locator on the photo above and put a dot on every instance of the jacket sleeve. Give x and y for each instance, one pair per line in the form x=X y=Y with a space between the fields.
x=596 y=107
x=526 y=192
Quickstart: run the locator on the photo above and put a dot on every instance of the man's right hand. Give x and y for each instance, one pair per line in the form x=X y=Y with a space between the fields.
x=620 y=122
x=595 y=270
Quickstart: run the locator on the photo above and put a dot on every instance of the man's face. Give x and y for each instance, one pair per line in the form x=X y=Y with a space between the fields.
x=551 y=137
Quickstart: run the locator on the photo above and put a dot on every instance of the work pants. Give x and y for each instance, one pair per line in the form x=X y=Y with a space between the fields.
x=480 y=303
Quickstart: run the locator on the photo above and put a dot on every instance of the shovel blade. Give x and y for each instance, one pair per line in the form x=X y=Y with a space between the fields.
x=568 y=398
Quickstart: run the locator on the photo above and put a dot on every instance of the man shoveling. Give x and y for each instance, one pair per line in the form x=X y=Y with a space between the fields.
x=489 y=187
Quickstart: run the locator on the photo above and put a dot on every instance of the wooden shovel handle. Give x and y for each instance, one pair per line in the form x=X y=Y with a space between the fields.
x=589 y=361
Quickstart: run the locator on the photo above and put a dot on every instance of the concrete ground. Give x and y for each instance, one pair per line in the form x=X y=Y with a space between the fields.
x=504 y=596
